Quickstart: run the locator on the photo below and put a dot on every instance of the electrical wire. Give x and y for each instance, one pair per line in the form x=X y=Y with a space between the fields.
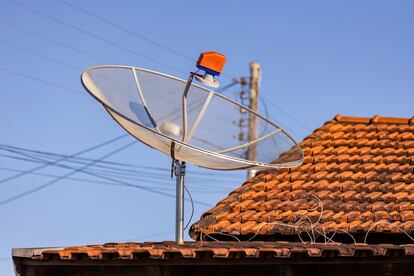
x=192 y=207
x=43 y=56
x=49 y=58
x=288 y=114
x=267 y=114
x=77 y=160
x=147 y=177
x=164 y=185
x=110 y=141
x=228 y=86
x=389 y=224
x=54 y=176
x=54 y=41
x=126 y=30
x=97 y=37
x=49 y=183
x=9 y=71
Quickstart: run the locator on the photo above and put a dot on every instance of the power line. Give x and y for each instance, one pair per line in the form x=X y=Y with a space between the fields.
x=64 y=158
x=9 y=71
x=70 y=178
x=97 y=37
x=72 y=159
x=265 y=101
x=54 y=176
x=133 y=33
x=288 y=115
x=267 y=114
x=49 y=183
x=163 y=184
x=228 y=86
x=55 y=60
x=54 y=41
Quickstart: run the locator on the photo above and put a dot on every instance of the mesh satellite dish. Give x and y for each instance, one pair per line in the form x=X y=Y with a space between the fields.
x=189 y=122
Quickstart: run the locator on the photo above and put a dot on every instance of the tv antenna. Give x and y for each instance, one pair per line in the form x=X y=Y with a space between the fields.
x=189 y=122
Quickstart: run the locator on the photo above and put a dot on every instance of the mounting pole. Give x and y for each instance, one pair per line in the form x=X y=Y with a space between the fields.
x=179 y=171
x=255 y=73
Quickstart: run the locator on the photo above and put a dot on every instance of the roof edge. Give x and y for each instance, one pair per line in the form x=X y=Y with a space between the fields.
x=161 y=251
x=376 y=119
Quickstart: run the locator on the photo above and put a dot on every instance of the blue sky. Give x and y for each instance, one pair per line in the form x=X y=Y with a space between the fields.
x=319 y=59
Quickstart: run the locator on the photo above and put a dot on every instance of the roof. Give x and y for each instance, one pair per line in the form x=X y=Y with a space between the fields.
x=210 y=250
x=357 y=177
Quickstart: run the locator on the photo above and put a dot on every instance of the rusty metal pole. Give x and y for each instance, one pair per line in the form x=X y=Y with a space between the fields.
x=255 y=73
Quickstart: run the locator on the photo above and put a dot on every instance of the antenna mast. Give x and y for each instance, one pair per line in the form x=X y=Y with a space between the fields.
x=255 y=74
x=179 y=172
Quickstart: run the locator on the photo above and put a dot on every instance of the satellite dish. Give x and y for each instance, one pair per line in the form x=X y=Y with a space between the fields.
x=189 y=122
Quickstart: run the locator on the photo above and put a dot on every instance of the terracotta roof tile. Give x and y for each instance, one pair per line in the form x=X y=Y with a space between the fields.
x=361 y=169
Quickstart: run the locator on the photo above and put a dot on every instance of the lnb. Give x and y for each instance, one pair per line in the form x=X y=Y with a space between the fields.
x=212 y=64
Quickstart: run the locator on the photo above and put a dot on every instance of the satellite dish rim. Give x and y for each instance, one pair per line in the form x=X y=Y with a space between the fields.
x=249 y=163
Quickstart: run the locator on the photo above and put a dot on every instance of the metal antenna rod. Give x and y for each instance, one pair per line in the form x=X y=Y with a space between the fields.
x=179 y=171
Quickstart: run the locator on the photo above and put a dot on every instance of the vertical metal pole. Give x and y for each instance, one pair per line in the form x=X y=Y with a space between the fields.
x=255 y=72
x=179 y=201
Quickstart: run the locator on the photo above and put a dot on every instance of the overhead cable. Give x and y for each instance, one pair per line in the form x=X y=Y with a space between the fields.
x=164 y=185
x=126 y=30
x=147 y=178
x=112 y=140
x=55 y=60
x=54 y=41
x=22 y=75
x=288 y=114
x=49 y=183
x=95 y=36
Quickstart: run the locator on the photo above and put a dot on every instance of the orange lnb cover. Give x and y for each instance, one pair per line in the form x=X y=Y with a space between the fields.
x=212 y=60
